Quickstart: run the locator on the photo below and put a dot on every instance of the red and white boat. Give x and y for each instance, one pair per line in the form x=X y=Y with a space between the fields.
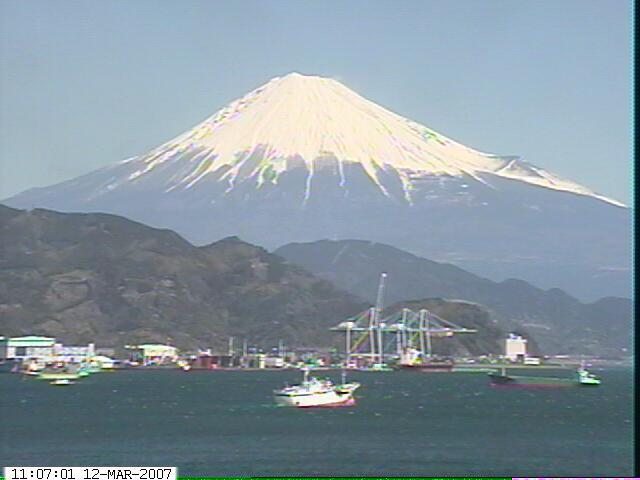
x=314 y=392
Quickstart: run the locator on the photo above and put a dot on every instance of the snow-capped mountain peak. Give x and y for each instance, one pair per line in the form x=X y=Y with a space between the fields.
x=302 y=119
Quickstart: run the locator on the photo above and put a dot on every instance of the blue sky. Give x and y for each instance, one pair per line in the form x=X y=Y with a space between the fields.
x=85 y=84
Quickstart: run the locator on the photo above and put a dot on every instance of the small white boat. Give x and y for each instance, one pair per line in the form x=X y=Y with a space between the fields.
x=62 y=381
x=314 y=392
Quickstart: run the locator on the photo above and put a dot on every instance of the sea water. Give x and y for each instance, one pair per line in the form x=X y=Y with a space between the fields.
x=404 y=423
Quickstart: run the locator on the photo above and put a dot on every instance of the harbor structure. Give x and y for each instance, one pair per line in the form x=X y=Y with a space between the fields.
x=369 y=345
x=405 y=335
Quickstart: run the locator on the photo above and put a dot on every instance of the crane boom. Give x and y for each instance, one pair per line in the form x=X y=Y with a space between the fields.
x=378 y=315
x=380 y=297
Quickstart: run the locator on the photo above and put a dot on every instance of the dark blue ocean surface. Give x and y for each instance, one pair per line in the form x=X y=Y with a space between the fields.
x=405 y=423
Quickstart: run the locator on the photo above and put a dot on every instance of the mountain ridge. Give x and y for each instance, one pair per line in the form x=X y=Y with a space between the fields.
x=557 y=320
x=105 y=279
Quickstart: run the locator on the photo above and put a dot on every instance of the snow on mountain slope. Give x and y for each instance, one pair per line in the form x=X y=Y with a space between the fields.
x=319 y=121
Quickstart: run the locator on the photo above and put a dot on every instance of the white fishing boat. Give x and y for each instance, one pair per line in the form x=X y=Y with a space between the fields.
x=62 y=381
x=314 y=392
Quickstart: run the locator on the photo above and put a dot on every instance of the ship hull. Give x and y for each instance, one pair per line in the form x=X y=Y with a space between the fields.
x=336 y=396
x=343 y=403
x=58 y=376
x=429 y=367
x=530 y=382
x=326 y=399
x=472 y=370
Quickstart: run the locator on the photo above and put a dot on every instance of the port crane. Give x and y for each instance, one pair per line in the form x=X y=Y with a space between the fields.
x=365 y=332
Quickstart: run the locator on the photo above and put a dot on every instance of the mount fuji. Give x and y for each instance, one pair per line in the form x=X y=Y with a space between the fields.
x=304 y=158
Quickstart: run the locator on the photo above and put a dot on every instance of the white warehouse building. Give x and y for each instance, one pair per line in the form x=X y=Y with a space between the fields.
x=20 y=348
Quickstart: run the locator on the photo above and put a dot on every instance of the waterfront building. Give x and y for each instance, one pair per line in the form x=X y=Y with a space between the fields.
x=515 y=348
x=274 y=362
x=73 y=353
x=154 y=354
x=20 y=348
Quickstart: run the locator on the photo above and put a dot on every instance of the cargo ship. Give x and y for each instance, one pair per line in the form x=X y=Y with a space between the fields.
x=584 y=378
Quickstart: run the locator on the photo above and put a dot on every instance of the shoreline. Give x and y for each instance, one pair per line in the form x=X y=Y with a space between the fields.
x=466 y=366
